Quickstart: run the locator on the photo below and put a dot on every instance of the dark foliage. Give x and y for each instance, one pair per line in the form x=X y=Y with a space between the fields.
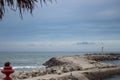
x=7 y=64
x=21 y=5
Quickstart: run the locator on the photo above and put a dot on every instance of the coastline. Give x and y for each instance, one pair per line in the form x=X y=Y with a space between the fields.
x=85 y=67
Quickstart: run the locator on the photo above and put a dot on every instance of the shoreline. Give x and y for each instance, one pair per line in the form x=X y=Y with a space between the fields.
x=79 y=67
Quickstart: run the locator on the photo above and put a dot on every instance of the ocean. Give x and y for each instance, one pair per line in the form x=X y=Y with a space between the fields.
x=115 y=77
x=31 y=60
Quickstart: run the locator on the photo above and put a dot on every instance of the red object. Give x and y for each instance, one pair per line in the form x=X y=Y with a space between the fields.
x=7 y=71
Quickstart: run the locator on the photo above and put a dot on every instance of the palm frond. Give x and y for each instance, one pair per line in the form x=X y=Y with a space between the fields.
x=21 y=5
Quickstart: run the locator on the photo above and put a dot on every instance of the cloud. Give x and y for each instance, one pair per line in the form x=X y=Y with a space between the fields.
x=109 y=45
x=79 y=20
x=85 y=43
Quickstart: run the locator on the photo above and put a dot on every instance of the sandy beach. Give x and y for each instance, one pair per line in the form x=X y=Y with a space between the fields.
x=86 y=67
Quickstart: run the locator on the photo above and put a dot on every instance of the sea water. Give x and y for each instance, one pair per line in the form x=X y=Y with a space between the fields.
x=30 y=60
x=117 y=62
x=116 y=77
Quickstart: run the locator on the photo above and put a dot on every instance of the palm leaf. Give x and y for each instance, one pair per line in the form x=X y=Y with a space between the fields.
x=21 y=5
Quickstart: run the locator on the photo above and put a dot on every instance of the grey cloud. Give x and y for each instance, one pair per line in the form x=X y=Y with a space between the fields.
x=85 y=43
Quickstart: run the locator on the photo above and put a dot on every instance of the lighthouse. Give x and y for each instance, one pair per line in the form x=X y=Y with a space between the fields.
x=102 y=48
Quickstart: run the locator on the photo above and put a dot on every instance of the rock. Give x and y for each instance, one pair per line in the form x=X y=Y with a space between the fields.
x=52 y=79
x=53 y=62
x=102 y=57
x=65 y=69
x=23 y=76
x=59 y=72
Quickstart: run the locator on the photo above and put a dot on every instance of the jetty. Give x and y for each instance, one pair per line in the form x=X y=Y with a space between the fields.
x=78 y=67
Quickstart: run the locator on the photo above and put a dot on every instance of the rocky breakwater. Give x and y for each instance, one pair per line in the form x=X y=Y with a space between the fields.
x=73 y=63
x=85 y=67
x=103 y=57
x=103 y=72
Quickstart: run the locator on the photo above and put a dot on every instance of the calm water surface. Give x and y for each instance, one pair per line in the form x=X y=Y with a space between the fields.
x=116 y=77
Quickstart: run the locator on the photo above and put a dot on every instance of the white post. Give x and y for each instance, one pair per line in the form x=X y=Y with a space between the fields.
x=102 y=49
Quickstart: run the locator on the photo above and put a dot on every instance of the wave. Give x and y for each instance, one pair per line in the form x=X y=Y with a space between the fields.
x=25 y=67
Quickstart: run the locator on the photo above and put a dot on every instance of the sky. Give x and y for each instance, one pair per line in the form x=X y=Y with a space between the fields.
x=65 y=25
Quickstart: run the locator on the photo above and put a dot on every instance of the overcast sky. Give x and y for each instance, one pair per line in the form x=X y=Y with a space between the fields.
x=68 y=25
